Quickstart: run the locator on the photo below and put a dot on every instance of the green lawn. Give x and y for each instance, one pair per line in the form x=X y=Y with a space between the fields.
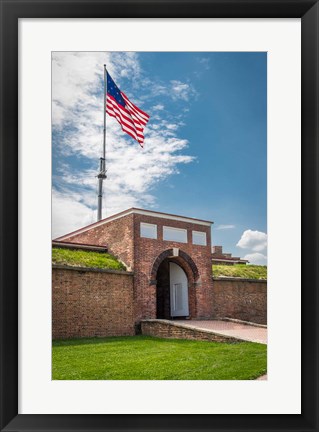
x=82 y=258
x=241 y=271
x=148 y=358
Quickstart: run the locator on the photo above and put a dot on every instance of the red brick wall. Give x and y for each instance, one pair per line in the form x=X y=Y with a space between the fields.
x=139 y=254
x=147 y=250
x=87 y=303
x=117 y=235
x=243 y=299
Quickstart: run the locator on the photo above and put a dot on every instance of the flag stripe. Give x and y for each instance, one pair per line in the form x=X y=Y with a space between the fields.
x=125 y=126
x=126 y=114
x=126 y=129
x=134 y=106
x=136 y=114
x=123 y=115
x=128 y=125
x=139 y=112
x=136 y=117
x=124 y=119
x=112 y=106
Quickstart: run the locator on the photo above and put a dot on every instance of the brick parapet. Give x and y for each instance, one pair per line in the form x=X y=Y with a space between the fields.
x=91 y=269
x=239 y=279
x=173 y=330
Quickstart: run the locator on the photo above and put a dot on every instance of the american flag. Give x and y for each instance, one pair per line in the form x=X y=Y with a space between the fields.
x=131 y=118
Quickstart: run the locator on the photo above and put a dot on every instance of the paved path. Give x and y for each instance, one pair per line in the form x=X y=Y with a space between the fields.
x=242 y=331
x=262 y=378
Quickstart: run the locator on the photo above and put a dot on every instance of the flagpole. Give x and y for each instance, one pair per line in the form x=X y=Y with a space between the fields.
x=101 y=176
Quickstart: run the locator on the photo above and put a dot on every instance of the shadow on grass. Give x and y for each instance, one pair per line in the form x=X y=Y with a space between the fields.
x=137 y=338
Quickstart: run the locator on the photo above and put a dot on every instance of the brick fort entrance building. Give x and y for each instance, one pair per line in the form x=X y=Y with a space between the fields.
x=169 y=255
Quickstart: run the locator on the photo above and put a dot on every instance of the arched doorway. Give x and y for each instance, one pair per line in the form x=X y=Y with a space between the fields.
x=172 y=299
x=175 y=278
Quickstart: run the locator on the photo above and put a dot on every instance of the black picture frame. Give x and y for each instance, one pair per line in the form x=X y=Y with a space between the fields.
x=11 y=11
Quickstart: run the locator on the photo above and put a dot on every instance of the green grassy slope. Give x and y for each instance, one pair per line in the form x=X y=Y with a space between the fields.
x=240 y=270
x=81 y=258
x=148 y=358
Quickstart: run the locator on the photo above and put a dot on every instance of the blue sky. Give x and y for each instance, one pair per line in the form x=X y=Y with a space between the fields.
x=205 y=152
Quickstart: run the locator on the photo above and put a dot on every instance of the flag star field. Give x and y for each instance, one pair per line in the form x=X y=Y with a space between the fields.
x=186 y=133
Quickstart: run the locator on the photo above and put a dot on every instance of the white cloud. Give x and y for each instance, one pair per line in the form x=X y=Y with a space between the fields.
x=256 y=258
x=205 y=62
x=78 y=76
x=254 y=240
x=68 y=214
x=175 y=89
x=77 y=117
x=158 y=107
x=224 y=227
x=180 y=90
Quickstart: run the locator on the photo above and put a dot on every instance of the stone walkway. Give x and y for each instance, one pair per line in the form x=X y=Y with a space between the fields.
x=238 y=330
x=262 y=378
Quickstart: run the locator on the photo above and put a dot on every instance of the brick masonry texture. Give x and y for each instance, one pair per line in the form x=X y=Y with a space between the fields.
x=146 y=252
x=88 y=303
x=244 y=299
x=91 y=302
x=141 y=255
x=169 y=330
x=100 y=303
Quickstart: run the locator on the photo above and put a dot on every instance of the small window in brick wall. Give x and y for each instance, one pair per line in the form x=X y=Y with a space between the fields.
x=148 y=230
x=199 y=238
x=175 y=234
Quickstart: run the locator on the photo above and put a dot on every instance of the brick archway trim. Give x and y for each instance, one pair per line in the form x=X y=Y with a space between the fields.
x=169 y=253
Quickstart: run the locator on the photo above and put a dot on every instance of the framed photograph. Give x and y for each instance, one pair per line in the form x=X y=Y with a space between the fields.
x=48 y=52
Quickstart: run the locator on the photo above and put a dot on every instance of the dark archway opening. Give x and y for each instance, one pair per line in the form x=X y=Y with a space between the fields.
x=163 y=291
x=172 y=281
x=160 y=275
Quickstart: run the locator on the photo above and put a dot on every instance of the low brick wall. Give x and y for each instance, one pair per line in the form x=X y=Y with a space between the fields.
x=167 y=329
x=91 y=302
x=244 y=299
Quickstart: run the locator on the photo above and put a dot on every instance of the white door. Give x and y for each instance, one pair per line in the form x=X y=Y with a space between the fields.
x=178 y=291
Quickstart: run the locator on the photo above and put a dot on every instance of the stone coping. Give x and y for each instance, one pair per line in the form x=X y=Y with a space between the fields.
x=91 y=269
x=195 y=329
x=243 y=322
x=129 y=273
x=238 y=279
